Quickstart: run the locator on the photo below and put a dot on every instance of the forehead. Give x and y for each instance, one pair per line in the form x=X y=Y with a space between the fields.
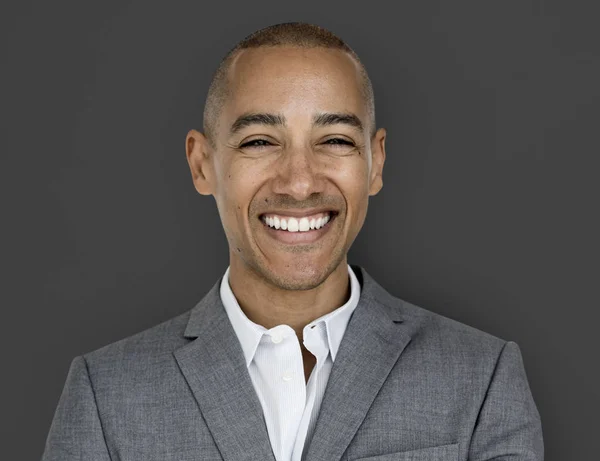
x=294 y=80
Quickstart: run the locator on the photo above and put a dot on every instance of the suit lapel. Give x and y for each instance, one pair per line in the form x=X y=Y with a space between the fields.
x=214 y=367
x=375 y=337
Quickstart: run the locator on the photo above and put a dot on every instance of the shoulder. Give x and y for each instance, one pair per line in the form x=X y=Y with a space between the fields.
x=446 y=350
x=424 y=325
x=435 y=338
x=432 y=328
x=146 y=348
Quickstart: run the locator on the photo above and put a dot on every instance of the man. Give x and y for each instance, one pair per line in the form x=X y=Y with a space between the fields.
x=293 y=354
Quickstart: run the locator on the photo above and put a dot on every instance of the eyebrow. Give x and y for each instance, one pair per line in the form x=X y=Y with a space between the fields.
x=327 y=119
x=246 y=120
x=324 y=119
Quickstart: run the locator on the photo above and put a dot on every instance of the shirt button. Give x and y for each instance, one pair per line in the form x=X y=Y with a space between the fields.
x=276 y=338
x=288 y=375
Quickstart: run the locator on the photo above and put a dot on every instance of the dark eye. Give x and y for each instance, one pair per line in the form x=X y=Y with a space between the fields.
x=256 y=143
x=338 y=141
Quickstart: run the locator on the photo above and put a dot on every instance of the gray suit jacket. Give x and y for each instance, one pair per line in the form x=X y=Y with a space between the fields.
x=407 y=385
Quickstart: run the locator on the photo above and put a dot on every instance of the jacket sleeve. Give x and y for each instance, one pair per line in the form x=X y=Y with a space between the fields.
x=508 y=427
x=76 y=431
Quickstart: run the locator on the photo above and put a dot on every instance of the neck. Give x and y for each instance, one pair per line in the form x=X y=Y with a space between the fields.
x=269 y=305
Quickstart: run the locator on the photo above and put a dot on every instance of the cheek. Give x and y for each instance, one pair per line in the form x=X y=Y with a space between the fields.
x=354 y=185
x=232 y=205
x=353 y=181
x=236 y=189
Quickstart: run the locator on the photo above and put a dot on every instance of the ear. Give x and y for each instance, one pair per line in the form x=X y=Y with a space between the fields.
x=199 y=159
x=377 y=160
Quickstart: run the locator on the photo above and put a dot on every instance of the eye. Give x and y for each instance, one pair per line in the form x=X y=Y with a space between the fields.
x=338 y=142
x=256 y=143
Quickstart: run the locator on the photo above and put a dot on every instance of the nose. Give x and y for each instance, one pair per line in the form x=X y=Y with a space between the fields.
x=298 y=174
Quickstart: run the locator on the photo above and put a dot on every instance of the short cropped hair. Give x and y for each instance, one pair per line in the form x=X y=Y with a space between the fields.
x=296 y=34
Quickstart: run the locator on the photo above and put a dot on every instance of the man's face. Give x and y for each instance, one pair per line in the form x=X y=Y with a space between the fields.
x=293 y=163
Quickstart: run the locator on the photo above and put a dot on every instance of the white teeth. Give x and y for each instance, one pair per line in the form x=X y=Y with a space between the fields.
x=303 y=225
x=296 y=224
x=293 y=225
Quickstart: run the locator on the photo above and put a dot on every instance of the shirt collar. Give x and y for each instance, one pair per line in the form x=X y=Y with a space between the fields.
x=250 y=333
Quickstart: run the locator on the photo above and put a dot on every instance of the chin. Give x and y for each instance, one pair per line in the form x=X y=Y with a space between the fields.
x=300 y=275
x=297 y=283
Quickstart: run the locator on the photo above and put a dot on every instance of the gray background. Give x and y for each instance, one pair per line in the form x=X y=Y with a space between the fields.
x=488 y=215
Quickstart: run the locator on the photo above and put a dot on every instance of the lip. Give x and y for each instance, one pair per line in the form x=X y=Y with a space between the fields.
x=299 y=213
x=291 y=238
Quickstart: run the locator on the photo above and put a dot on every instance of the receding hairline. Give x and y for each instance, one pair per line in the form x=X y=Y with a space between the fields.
x=291 y=35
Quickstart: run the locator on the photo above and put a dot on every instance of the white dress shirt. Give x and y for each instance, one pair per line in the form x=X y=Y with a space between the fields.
x=274 y=360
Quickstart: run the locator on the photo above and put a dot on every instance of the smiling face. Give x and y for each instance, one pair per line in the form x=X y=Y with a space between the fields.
x=292 y=163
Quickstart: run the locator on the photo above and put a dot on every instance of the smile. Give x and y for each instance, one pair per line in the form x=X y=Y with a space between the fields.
x=297 y=223
x=298 y=228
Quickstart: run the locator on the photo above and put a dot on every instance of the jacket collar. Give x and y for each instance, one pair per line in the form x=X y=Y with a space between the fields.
x=214 y=366
x=249 y=333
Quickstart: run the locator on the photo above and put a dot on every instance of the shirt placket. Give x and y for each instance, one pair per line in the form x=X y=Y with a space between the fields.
x=315 y=342
x=281 y=359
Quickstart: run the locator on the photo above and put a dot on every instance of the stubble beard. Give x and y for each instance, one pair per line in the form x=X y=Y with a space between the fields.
x=302 y=283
